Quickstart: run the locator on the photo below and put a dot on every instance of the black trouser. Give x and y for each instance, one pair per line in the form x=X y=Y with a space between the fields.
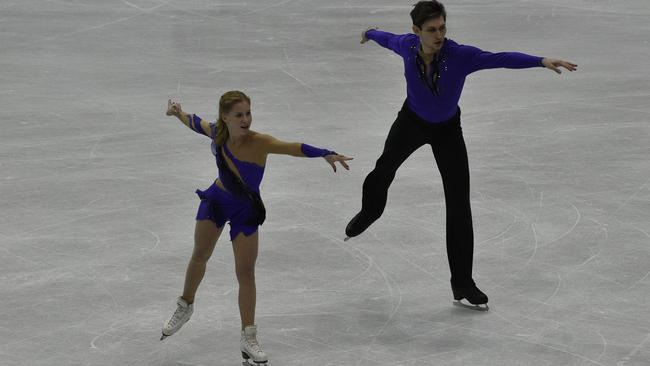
x=408 y=133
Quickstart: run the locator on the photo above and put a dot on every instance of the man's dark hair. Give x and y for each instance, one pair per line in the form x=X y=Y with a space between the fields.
x=424 y=11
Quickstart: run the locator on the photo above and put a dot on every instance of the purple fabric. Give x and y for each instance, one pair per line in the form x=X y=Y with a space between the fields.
x=195 y=124
x=455 y=63
x=250 y=172
x=314 y=152
x=220 y=206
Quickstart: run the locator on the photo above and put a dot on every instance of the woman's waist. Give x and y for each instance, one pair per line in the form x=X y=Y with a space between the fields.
x=252 y=182
x=218 y=183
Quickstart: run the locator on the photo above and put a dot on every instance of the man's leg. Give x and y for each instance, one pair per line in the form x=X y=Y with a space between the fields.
x=451 y=156
x=405 y=136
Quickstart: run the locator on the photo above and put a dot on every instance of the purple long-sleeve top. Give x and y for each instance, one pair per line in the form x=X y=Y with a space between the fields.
x=455 y=62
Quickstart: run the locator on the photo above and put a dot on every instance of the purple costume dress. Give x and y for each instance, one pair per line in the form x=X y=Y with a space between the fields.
x=219 y=205
x=240 y=204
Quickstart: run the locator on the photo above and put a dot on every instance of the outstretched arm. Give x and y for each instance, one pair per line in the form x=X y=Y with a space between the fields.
x=394 y=42
x=272 y=145
x=194 y=122
x=555 y=64
x=476 y=59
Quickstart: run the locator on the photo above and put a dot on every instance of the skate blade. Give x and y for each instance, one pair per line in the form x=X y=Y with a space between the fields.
x=248 y=358
x=246 y=363
x=162 y=337
x=479 y=307
x=347 y=238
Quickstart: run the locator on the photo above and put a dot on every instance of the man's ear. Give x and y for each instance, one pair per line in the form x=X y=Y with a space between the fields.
x=416 y=29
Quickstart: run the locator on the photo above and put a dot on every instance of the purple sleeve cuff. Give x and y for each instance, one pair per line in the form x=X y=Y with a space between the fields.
x=314 y=152
x=195 y=124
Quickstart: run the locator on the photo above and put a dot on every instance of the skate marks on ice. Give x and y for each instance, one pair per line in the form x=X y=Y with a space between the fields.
x=542 y=310
x=395 y=292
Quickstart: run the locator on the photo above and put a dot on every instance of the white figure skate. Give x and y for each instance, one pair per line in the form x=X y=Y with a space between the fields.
x=250 y=349
x=181 y=316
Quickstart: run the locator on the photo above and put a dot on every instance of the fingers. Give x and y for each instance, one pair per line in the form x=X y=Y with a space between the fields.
x=173 y=108
x=365 y=39
x=342 y=160
x=332 y=159
x=556 y=64
x=569 y=66
x=169 y=107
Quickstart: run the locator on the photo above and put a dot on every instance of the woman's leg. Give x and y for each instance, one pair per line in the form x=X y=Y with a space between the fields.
x=206 y=234
x=245 y=250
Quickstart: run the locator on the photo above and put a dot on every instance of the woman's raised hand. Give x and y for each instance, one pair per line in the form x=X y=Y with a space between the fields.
x=173 y=108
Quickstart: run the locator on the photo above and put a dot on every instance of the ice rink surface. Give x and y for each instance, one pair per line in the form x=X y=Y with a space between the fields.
x=97 y=185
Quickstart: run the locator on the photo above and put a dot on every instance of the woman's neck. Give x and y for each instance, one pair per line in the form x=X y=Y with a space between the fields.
x=237 y=141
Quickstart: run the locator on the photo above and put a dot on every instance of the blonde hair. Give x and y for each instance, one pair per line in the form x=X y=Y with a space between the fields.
x=226 y=102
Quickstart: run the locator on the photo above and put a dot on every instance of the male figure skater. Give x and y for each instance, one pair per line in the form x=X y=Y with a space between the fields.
x=435 y=68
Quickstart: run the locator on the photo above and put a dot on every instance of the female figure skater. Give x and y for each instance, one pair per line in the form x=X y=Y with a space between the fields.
x=235 y=197
x=435 y=69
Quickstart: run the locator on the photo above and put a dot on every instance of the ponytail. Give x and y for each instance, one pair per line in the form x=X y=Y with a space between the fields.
x=222 y=134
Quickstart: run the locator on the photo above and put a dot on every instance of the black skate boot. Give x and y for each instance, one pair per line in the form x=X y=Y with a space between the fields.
x=357 y=225
x=473 y=295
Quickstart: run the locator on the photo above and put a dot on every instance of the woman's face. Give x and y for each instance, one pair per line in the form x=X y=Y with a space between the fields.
x=239 y=119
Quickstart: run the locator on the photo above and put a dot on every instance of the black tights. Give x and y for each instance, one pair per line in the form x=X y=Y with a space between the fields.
x=407 y=134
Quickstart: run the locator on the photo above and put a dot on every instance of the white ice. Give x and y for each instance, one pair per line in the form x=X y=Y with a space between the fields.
x=97 y=185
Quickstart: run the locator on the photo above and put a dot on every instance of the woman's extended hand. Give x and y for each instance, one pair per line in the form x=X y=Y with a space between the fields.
x=333 y=158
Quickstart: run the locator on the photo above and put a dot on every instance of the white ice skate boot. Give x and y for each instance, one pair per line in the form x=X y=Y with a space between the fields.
x=181 y=316
x=250 y=349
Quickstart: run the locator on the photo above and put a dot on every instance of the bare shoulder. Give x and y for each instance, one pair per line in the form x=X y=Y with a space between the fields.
x=261 y=138
x=262 y=141
x=259 y=143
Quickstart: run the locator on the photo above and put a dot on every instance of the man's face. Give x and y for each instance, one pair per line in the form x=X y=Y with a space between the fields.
x=432 y=34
